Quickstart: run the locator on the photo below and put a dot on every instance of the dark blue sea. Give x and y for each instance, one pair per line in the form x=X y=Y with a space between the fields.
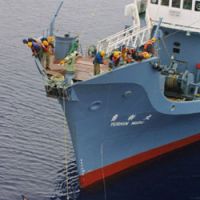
x=33 y=146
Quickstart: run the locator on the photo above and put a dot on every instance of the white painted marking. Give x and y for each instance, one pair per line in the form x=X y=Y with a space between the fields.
x=148 y=117
x=131 y=117
x=114 y=118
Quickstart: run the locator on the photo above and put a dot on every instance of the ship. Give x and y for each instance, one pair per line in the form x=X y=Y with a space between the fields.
x=139 y=110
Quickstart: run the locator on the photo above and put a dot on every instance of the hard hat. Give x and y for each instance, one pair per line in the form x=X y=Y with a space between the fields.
x=62 y=62
x=146 y=55
x=153 y=39
x=124 y=49
x=45 y=43
x=43 y=38
x=102 y=53
x=116 y=53
x=25 y=41
x=50 y=39
x=30 y=40
x=30 y=44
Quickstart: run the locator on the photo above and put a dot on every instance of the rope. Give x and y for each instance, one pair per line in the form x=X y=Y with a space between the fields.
x=165 y=47
x=102 y=173
x=102 y=147
x=70 y=181
x=65 y=142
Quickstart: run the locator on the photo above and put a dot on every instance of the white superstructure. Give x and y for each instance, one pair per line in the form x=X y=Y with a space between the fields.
x=177 y=14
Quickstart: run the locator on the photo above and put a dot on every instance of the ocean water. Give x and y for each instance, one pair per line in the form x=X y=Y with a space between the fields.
x=32 y=130
x=33 y=146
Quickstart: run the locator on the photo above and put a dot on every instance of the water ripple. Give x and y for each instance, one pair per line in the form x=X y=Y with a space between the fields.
x=32 y=146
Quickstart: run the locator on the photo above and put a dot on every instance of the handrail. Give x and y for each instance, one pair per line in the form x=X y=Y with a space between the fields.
x=123 y=37
x=118 y=33
x=133 y=36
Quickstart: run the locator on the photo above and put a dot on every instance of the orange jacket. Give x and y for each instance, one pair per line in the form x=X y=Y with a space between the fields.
x=146 y=45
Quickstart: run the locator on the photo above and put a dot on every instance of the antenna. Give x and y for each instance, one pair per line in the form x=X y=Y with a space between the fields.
x=157 y=28
x=52 y=24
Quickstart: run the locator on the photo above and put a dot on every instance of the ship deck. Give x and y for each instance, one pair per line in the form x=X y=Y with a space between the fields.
x=83 y=68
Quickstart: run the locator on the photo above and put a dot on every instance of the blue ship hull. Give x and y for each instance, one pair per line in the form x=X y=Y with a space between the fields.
x=122 y=118
x=137 y=111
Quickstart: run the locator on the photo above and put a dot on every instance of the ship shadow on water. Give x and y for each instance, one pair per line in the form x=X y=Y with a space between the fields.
x=175 y=175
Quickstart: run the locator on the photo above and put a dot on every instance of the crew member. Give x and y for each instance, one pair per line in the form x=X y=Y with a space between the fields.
x=99 y=59
x=32 y=40
x=25 y=41
x=69 y=65
x=124 y=54
x=129 y=58
x=149 y=46
x=145 y=55
x=92 y=50
x=46 y=53
x=136 y=55
x=115 y=58
x=36 y=49
x=74 y=45
x=50 y=40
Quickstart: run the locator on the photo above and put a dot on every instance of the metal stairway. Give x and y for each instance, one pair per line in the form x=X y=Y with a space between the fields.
x=131 y=37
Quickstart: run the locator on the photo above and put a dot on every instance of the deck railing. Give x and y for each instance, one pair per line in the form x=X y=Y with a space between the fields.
x=131 y=37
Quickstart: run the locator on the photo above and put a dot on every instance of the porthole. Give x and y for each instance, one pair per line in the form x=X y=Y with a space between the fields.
x=178 y=44
x=95 y=105
x=176 y=50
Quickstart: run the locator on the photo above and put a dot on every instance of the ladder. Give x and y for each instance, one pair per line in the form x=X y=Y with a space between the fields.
x=131 y=37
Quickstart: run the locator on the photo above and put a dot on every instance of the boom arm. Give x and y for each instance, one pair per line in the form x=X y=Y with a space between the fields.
x=52 y=24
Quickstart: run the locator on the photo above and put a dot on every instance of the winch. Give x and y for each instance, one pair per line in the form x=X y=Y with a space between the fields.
x=178 y=82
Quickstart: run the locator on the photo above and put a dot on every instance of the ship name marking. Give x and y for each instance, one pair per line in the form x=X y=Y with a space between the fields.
x=131 y=117
x=114 y=118
x=131 y=120
x=137 y=123
x=119 y=123
x=148 y=117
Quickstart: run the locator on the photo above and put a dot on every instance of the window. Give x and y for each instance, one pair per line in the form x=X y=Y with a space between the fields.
x=197 y=6
x=177 y=44
x=154 y=1
x=166 y=33
x=165 y=2
x=176 y=3
x=187 y=4
x=176 y=50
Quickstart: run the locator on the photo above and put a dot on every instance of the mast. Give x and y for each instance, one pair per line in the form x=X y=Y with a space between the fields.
x=52 y=24
x=157 y=27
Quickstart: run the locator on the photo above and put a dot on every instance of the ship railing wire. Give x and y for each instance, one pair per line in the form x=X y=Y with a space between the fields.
x=71 y=171
x=71 y=182
x=128 y=38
